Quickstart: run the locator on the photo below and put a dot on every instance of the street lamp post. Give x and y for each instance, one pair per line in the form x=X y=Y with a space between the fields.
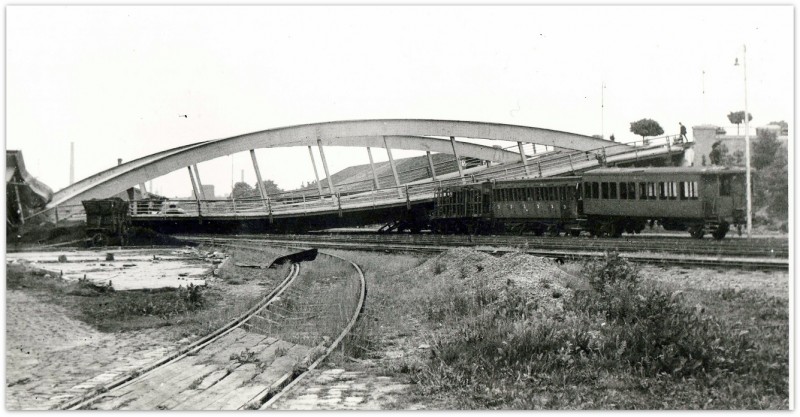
x=748 y=191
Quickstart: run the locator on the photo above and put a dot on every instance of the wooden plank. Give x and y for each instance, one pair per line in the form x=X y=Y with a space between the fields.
x=237 y=398
x=224 y=356
x=147 y=395
x=205 y=398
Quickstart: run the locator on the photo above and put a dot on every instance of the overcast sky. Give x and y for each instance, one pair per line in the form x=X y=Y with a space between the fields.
x=114 y=80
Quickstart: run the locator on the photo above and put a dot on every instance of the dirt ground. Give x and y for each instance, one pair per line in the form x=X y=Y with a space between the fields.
x=51 y=358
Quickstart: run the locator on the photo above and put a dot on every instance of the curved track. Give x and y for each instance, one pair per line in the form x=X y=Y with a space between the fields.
x=224 y=369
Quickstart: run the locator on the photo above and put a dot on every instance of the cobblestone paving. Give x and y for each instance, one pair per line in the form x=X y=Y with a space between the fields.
x=51 y=358
x=337 y=389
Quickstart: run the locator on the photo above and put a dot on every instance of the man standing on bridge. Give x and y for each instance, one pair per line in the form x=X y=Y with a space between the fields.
x=683 y=133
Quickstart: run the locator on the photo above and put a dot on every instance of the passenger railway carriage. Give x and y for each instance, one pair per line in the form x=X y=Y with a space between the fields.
x=606 y=201
x=698 y=199
x=541 y=205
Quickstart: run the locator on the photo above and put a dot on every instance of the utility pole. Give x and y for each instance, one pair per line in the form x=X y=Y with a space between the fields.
x=747 y=146
x=602 y=110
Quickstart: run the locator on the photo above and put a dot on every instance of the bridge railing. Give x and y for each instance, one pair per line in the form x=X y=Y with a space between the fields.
x=363 y=193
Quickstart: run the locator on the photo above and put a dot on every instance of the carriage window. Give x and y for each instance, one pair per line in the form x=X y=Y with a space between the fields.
x=689 y=190
x=642 y=191
x=595 y=190
x=562 y=195
x=673 y=190
x=724 y=186
x=623 y=191
x=604 y=189
x=631 y=190
x=651 y=191
x=662 y=193
x=612 y=190
x=587 y=190
x=528 y=194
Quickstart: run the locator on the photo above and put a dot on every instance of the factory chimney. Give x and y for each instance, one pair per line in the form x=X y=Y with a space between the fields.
x=71 y=163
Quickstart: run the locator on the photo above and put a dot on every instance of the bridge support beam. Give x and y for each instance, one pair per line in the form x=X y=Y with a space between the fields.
x=430 y=164
x=194 y=188
x=199 y=183
x=372 y=166
x=142 y=190
x=261 y=190
x=20 y=208
x=316 y=175
x=394 y=167
x=458 y=160
x=523 y=157
x=325 y=167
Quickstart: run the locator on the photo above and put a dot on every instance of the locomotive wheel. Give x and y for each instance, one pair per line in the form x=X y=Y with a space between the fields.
x=721 y=231
x=630 y=228
x=552 y=231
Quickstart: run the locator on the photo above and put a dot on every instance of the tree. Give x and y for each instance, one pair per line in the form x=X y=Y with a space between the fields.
x=764 y=149
x=241 y=190
x=271 y=188
x=784 y=126
x=718 y=154
x=646 y=127
x=737 y=118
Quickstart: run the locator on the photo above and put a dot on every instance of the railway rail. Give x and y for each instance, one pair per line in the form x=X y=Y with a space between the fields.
x=674 y=251
x=196 y=377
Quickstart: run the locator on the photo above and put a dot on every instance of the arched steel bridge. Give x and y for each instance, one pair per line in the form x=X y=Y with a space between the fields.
x=349 y=204
x=408 y=134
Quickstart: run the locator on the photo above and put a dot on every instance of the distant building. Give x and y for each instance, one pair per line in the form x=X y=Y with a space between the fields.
x=208 y=190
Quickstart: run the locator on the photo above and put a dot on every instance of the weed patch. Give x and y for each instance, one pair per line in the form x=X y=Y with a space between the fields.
x=500 y=348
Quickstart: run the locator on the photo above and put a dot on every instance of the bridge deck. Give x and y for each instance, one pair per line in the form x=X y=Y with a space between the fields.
x=298 y=205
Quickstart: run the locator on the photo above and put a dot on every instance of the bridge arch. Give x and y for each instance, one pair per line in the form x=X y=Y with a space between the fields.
x=412 y=134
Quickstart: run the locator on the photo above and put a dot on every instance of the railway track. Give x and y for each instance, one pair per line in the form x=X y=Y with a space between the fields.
x=725 y=256
x=240 y=365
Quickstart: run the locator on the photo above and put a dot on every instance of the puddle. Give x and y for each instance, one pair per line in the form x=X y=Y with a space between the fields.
x=131 y=269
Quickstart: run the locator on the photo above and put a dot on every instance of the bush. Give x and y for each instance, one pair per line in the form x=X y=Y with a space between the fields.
x=610 y=273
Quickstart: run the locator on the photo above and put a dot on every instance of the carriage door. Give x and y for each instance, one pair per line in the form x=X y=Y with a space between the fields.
x=710 y=195
x=564 y=201
x=726 y=195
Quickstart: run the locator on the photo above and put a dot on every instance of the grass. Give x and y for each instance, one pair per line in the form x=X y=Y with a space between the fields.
x=620 y=343
x=317 y=306
x=624 y=339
